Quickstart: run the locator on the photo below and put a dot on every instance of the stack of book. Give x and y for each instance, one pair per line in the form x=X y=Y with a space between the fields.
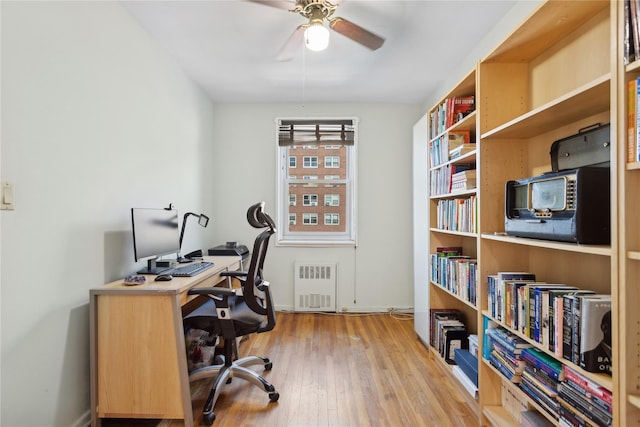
x=504 y=352
x=541 y=378
x=466 y=370
x=464 y=180
x=448 y=332
x=583 y=402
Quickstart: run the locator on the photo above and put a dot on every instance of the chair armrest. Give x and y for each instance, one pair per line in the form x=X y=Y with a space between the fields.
x=234 y=273
x=212 y=291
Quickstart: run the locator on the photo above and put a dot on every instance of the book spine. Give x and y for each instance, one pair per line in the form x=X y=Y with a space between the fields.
x=631 y=121
x=588 y=410
x=567 y=320
x=575 y=330
x=558 y=325
x=530 y=358
x=588 y=396
x=584 y=383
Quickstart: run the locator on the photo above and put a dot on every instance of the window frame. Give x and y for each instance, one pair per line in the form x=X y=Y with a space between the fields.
x=284 y=237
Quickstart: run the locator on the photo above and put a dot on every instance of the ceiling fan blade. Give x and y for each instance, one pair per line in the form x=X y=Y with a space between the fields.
x=356 y=33
x=292 y=44
x=280 y=4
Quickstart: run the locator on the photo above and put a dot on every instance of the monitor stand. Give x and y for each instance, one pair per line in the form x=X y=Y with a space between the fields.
x=153 y=268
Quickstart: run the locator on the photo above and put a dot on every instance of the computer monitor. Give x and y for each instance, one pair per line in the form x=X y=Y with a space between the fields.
x=155 y=233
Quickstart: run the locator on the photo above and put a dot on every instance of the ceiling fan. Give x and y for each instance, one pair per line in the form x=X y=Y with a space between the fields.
x=314 y=33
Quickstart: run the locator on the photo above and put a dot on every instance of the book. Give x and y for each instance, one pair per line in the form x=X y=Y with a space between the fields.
x=571 y=375
x=542 y=376
x=543 y=361
x=595 y=334
x=637 y=121
x=508 y=340
x=498 y=362
x=549 y=300
x=576 y=335
x=567 y=322
x=466 y=382
x=546 y=311
x=631 y=120
x=454 y=338
x=503 y=277
x=586 y=408
x=436 y=314
x=601 y=404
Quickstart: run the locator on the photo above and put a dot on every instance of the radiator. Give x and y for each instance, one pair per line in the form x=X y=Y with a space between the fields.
x=314 y=286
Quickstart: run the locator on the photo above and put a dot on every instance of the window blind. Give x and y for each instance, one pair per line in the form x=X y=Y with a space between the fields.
x=315 y=132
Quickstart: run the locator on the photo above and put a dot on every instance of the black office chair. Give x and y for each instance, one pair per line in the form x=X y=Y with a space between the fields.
x=233 y=313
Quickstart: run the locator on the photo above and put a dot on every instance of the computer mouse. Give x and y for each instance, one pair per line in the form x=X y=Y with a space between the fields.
x=163 y=278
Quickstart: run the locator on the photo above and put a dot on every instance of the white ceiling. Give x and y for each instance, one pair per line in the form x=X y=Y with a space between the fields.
x=229 y=48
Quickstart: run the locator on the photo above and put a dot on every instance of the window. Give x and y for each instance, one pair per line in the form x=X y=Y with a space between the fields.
x=327 y=212
x=332 y=161
x=331 y=219
x=332 y=200
x=310 y=219
x=310 y=200
x=310 y=161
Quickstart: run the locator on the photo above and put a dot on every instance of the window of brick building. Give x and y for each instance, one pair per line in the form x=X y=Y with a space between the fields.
x=327 y=149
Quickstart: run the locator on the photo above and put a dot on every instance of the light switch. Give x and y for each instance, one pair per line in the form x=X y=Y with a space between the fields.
x=7 y=202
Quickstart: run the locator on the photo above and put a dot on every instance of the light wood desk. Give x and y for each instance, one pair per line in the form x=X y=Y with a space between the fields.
x=138 y=357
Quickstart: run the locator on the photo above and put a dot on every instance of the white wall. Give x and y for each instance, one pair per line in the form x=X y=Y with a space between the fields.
x=378 y=273
x=95 y=120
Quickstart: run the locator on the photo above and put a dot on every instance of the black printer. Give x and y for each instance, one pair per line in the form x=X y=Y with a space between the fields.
x=231 y=249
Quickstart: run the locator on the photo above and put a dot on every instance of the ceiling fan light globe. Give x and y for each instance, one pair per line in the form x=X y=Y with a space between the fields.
x=316 y=37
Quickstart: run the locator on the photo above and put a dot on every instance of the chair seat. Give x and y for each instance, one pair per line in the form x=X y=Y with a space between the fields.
x=205 y=317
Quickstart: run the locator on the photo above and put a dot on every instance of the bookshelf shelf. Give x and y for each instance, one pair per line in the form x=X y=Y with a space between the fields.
x=498 y=416
x=634 y=399
x=454 y=195
x=455 y=233
x=587 y=100
x=454 y=295
x=561 y=246
x=467 y=158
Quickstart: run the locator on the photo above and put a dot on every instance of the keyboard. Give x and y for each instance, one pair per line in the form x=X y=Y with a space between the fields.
x=190 y=269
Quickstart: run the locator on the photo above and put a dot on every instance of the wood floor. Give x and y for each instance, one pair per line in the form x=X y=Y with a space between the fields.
x=342 y=370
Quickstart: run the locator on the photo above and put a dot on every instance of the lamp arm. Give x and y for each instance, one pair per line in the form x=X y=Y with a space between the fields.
x=184 y=223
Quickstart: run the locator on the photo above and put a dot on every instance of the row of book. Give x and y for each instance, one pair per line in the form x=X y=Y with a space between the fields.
x=573 y=323
x=448 y=332
x=441 y=180
x=449 y=146
x=563 y=392
x=633 y=121
x=459 y=214
x=455 y=272
x=450 y=112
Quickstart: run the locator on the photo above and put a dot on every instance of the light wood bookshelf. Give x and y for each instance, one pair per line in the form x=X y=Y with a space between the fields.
x=628 y=350
x=559 y=71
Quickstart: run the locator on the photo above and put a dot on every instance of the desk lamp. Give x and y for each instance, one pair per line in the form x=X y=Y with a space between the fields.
x=203 y=220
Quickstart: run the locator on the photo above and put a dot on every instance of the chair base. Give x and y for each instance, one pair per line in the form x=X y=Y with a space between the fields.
x=225 y=372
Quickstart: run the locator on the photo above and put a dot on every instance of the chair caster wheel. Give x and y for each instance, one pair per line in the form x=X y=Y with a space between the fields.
x=274 y=396
x=268 y=366
x=208 y=419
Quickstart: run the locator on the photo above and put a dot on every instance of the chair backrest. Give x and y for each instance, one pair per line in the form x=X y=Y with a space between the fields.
x=255 y=289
